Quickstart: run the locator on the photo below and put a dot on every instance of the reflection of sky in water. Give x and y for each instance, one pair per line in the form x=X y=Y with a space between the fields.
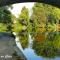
x=32 y=56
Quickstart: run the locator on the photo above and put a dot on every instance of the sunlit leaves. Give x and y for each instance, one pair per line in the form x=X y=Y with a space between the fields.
x=3 y=27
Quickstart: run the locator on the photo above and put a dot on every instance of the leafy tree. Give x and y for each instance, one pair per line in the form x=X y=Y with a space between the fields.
x=43 y=16
x=24 y=14
x=23 y=20
x=20 y=26
x=38 y=16
x=5 y=18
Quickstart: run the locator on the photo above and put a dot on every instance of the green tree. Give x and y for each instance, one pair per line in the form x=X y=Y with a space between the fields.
x=23 y=20
x=38 y=16
x=5 y=18
x=21 y=26
x=43 y=16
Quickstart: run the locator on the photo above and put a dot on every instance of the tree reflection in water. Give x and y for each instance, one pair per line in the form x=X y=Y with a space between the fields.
x=23 y=39
x=47 y=45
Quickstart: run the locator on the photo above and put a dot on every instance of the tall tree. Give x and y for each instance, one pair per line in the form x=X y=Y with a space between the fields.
x=22 y=26
x=44 y=17
x=24 y=18
x=38 y=16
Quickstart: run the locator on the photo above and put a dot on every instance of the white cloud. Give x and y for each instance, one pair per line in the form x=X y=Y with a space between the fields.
x=17 y=7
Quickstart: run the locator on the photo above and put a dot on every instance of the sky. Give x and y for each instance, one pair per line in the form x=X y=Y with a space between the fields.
x=17 y=8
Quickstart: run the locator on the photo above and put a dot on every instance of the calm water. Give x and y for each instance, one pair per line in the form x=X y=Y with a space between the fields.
x=30 y=53
x=32 y=56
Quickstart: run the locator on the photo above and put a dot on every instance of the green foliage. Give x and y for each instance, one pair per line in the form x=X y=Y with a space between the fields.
x=24 y=14
x=24 y=41
x=5 y=15
x=43 y=19
x=38 y=15
x=5 y=19
x=3 y=27
x=57 y=41
x=49 y=47
x=22 y=21
x=20 y=26
x=17 y=27
x=45 y=15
